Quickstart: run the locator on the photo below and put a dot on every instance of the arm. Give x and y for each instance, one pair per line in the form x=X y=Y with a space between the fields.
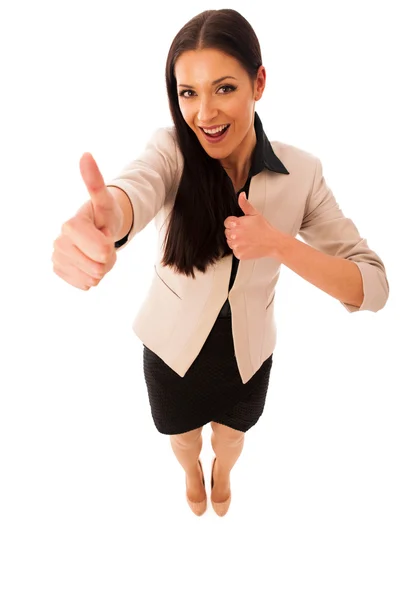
x=145 y=182
x=338 y=277
x=339 y=260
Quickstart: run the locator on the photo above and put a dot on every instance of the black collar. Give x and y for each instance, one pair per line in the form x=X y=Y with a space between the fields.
x=264 y=156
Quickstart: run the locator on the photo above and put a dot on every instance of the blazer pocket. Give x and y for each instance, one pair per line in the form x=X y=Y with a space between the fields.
x=167 y=286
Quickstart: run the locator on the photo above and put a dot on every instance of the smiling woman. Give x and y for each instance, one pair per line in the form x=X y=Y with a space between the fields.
x=222 y=192
x=213 y=81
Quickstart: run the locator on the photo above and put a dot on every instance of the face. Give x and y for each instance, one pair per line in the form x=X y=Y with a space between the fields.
x=206 y=104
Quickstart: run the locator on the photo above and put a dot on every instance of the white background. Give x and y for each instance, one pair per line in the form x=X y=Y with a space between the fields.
x=92 y=502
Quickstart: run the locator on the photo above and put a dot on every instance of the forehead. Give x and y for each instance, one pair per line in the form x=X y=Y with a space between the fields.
x=205 y=66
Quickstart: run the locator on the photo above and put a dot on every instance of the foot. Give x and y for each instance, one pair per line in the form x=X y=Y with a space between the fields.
x=194 y=485
x=221 y=489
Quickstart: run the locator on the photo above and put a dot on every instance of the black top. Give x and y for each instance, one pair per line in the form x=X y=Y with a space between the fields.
x=263 y=158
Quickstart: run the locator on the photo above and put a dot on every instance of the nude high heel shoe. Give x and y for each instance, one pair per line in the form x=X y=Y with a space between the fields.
x=221 y=508
x=198 y=508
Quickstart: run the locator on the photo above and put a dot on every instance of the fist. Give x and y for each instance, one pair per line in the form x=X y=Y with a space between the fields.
x=84 y=251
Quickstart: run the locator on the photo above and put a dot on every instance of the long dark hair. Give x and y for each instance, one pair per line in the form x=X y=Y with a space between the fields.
x=195 y=235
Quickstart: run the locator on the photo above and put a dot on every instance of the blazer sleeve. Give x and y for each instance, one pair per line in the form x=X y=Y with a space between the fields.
x=325 y=227
x=147 y=180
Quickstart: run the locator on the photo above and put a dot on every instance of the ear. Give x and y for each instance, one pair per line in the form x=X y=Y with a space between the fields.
x=260 y=82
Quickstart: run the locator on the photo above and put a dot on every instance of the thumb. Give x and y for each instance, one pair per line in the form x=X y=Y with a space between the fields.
x=245 y=205
x=99 y=194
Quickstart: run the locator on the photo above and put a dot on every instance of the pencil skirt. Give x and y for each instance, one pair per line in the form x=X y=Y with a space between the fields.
x=211 y=389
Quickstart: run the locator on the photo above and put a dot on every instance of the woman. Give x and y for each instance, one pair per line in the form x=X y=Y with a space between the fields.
x=191 y=179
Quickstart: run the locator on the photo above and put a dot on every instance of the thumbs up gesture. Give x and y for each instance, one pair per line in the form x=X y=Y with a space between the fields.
x=84 y=251
x=251 y=236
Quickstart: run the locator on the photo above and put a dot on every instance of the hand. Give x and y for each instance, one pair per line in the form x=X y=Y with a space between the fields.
x=85 y=252
x=251 y=236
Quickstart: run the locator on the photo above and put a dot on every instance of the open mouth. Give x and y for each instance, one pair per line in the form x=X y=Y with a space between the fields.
x=216 y=137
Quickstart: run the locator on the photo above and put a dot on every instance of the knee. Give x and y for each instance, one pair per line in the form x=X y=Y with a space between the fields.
x=229 y=436
x=187 y=439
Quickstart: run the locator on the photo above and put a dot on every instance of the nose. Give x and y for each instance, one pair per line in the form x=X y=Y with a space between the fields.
x=206 y=113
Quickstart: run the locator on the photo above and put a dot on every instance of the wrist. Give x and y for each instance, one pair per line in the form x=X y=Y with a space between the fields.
x=282 y=245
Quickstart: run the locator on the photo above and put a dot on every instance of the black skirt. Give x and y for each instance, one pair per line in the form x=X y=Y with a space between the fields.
x=211 y=390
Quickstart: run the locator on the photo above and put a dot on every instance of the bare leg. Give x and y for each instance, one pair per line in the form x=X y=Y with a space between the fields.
x=187 y=447
x=227 y=444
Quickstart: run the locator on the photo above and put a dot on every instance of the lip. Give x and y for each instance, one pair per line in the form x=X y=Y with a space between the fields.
x=218 y=140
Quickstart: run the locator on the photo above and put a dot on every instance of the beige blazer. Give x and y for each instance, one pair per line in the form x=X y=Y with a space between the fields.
x=179 y=312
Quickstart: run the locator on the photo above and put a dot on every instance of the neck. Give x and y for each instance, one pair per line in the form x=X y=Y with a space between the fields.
x=237 y=165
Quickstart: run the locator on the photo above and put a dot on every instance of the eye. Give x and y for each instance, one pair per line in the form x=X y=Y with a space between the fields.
x=184 y=92
x=230 y=87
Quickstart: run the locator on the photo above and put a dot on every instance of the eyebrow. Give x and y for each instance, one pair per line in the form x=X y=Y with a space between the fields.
x=212 y=83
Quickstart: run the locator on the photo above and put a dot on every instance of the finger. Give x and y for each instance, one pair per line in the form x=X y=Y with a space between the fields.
x=78 y=280
x=231 y=224
x=99 y=194
x=66 y=252
x=68 y=279
x=229 y=235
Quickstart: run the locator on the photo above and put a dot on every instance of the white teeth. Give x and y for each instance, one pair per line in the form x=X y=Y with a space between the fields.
x=216 y=130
